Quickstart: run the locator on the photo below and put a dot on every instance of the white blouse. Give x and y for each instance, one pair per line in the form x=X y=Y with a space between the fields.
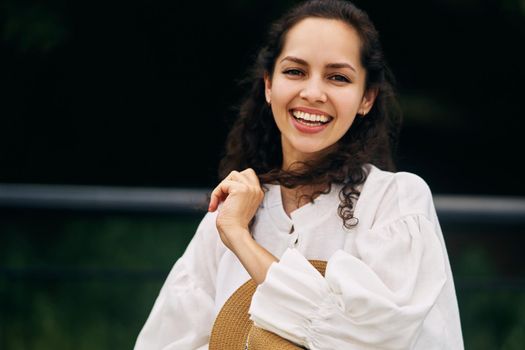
x=388 y=283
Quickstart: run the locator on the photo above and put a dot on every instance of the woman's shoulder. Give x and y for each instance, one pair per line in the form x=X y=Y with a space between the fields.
x=398 y=193
x=403 y=179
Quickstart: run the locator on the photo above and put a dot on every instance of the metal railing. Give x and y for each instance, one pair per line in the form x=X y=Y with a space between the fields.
x=450 y=208
x=99 y=198
x=170 y=200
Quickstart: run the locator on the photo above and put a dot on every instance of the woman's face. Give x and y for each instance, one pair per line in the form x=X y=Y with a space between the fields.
x=317 y=87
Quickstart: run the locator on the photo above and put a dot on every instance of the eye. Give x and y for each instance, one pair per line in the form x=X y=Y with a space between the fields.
x=340 y=78
x=293 y=72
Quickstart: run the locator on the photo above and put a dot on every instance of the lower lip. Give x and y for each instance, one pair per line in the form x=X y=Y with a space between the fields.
x=306 y=128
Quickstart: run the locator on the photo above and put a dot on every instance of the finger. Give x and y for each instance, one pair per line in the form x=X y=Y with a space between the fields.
x=220 y=193
x=217 y=195
x=251 y=176
x=244 y=178
x=253 y=181
x=239 y=176
x=232 y=175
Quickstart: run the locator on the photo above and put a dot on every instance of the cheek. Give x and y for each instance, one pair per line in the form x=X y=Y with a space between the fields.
x=346 y=105
x=283 y=92
x=345 y=124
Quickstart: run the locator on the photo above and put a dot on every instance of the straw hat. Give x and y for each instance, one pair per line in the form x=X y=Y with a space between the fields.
x=233 y=329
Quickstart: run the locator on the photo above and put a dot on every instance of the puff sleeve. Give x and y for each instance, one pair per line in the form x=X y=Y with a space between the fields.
x=183 y=313
x=377 y=299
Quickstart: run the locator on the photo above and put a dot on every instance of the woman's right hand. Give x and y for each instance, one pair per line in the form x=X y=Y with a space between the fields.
x=241 y=194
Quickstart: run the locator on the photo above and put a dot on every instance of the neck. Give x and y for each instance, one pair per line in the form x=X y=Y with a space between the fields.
x=292 y=157
x=292 y=161
x=294 y=198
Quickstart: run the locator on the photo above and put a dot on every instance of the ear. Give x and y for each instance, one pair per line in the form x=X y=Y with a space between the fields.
x=368 y=101
x=267 y=87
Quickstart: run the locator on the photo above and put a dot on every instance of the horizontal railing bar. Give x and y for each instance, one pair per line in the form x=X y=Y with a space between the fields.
x=177 y=200
x=97 y=198
x=480 y=208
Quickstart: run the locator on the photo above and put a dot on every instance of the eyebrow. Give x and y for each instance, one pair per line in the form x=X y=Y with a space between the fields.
x=329 y=65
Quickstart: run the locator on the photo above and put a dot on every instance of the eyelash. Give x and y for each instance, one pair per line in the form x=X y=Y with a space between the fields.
x=296 y=72
x=344 y=79
x=289 y=71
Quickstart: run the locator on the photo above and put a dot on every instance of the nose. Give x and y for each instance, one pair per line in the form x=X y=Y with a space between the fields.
x=313 y=91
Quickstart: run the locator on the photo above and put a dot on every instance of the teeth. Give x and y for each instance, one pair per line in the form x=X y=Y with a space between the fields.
x=311 y=117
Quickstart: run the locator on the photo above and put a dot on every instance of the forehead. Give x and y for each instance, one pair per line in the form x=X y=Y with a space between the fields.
x=321 y=39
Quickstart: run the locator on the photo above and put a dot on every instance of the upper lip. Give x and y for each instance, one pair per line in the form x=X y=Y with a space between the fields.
x=310 y=111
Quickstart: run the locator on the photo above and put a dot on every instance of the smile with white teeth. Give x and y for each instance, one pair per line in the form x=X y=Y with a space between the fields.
x=310 y=119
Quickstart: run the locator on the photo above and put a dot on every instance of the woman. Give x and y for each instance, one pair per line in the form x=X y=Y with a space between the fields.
x=302 y=181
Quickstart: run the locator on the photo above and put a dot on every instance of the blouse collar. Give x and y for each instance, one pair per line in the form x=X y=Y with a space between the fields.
x=306 y=215
x=309 y=213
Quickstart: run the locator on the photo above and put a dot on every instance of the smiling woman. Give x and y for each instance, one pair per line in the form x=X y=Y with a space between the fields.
x=314 y=91
x=309 y=175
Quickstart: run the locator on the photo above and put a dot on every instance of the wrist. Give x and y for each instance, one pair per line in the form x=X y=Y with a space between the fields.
x=230 y=227
x=255 y=258
x=241 y=239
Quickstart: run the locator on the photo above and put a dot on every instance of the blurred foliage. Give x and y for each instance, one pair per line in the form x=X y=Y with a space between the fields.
x=422 y=110
x=34 y=27
x=492 y=317
x=89 y=281
x=113 y=93
x=514 y=6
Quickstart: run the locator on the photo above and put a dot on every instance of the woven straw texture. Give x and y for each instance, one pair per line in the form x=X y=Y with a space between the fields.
x=233 y=329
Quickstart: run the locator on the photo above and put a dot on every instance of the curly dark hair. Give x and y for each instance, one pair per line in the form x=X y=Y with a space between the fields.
x=255 y=141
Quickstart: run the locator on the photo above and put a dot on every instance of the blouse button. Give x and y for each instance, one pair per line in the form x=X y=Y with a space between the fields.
x=294 y=238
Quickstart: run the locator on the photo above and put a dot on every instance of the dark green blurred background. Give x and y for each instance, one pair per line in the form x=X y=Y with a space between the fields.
x=140 y=93
x=88 y=281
